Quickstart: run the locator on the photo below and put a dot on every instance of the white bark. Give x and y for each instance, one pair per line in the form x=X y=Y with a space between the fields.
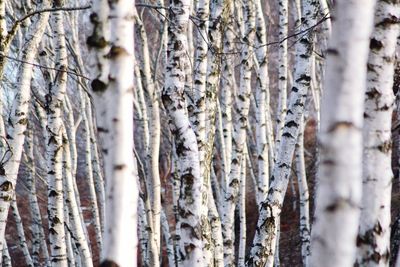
x=152 y=155
x=19 y=119
x=227 y=88
x=168 y=239
x=94 y=208
x=283 y=69
x=6 y=259
x=338 y=193
x=373 y=239
x=68 y=240
x=239 y=135
x=262 y=103
x=38 y=237
x=216 y=229
x=120 y=235
x=54 y=99
x=69 y=126
x=21 y=234
x=198 y=118
x=326 y=12
x=242 y=214
x=190 y=199
x=264 y=243
x=76 y=223
x=305 y=230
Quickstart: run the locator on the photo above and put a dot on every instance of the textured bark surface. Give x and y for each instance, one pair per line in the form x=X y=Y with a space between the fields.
x=264 y=243
x=305 y=230
x=19 y=119
x=190 y=199
x=115 y=123
x=373 y=241
x=340 y=171
x=239 y=134
x=54 y=148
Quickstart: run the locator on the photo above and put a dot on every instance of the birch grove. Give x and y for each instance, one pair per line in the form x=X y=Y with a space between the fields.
x=167 y=133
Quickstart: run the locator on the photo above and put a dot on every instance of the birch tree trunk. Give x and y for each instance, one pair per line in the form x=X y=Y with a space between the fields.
x=264 y=243
x=120 y=235
x=242 y=214
x=54 y=99
x=94 y=208
x=190 y=199
x=373 y=241
x=338 y=193
x=21 y=233
x=19 y=119
x=262 y=102
x=305 y=230
x=154 y=146
x=38 y=238
x=74 y=215
x=199 y=120
x=227 y=88
x=283 y=69
x=239 y=135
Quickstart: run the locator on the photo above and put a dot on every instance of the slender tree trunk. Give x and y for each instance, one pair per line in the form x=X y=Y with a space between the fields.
x=76 y=225
x=54 y=148
x=120 y=235
x=154 y=146
x=198 y=119
x=373 y=239
x=190 y=199
x=339 y=187
x=264 y=243
x=262 y=103
x=38 y=238
x=283 y=69
x=242 y=214
x=19 y=120
x=239 y=135
x=305 y=229
x=94 y=208
x=21 y=233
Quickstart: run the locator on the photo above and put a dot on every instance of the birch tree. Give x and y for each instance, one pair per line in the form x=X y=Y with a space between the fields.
x=190 y=200
x=373 y=241
x=264 y=243
x=54 y=99
x=340 y=172
x=114 y=89
x=19 y=119
x=239 y=134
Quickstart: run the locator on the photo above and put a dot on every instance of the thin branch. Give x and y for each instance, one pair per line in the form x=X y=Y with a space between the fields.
x=43 y=67
x=52 y=10
x=17 y=23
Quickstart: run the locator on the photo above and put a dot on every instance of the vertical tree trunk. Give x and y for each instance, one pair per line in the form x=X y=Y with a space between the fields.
x=263 y=248
x=120 y=235
x=154 y=146
x=38 y=238
x=305 y=229
x=373 y=239
x=283 y=69
x=262 y=103
x=340 y=172
x=242 y=214
x=190 y=199
x=54 y=99
x=21 y=233
x=239 y=135
x=76 y=223
x=199 y=118
x=19 y=119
